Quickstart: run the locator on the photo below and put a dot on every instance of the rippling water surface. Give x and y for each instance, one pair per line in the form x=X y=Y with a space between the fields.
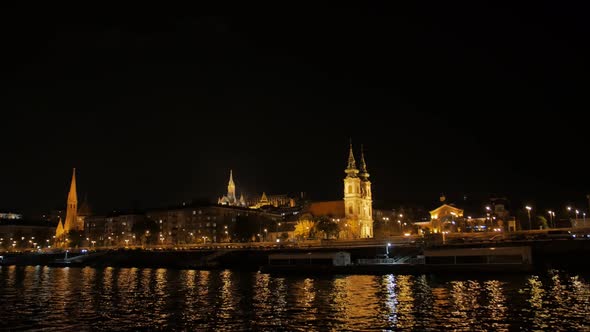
x=81 y=299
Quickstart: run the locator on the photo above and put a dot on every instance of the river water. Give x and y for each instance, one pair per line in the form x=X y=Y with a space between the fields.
x=122 y=299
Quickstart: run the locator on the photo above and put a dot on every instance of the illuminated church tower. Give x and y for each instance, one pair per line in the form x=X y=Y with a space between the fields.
x=366 y=215
x=357 y=199
x=231 y=188
x=72 y=222
x=59 y=231
x=230 y=198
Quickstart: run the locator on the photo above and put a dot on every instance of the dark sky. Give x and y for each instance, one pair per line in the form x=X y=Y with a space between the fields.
x=154 y=106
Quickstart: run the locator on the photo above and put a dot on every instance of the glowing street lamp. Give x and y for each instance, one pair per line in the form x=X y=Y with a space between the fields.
x=551 y=215
x=528 y=211
x=387 y=249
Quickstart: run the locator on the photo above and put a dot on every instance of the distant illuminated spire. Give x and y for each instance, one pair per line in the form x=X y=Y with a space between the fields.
x=72 y=195
x=60 y=229
x=351 y=161
x=364 y=174
x=231 y=189
x=71 y=221
x=351 y=169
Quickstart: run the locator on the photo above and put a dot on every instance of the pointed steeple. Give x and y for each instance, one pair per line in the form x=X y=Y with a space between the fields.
x=364 y=174
x=231 y=178
x=72 y=195
x=60 y=229
x=351 y=169
x=231 y=189
x=351 y=161
x=71 y=222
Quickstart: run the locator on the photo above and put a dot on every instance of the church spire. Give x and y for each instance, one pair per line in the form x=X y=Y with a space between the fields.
x=364 y=174
x=59 y=230
x=231 y=178
x=351 y=169
x=351 y=161
x=71 y=222
x=231 y=189
x=72 y=195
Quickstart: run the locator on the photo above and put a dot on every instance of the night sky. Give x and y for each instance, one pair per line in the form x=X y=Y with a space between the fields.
x=154 y=106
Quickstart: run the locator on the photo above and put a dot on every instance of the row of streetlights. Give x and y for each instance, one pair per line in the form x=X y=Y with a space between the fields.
x=551 y=214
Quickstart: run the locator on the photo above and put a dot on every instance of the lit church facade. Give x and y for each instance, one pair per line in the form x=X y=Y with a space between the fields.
x=74 y=220
x=358 y=201
x=230 y=199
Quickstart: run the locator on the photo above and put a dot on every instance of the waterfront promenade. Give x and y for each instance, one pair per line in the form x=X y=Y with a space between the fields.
x=547 y=252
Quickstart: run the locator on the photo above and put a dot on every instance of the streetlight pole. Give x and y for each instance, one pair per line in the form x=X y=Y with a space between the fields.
x=528 y=211
x=488 y=217
x=387 y=249
x=551 y=214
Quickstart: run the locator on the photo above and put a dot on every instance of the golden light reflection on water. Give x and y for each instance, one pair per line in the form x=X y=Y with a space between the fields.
x=204 y=281
x=496 y=307
x=227 y=296
x=536 y=292
x=107 y=280
x=423 y=303
x=61 y=281
x=195 y=291
x=189 y=290
x=72 y=299
x=302 y=294
x=356 y=300
x=87 y=293
x=269 y=301
x=261 y=297
x=188 y=276
x=145 y=282
x=160 y=295
x=338 y=301
x=127 y=291
x=464 y=303
x=580 y=298
x=405 y=311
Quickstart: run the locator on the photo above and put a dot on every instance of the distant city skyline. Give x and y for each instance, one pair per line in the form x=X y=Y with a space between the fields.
x=458 y=198
x=153 y=110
